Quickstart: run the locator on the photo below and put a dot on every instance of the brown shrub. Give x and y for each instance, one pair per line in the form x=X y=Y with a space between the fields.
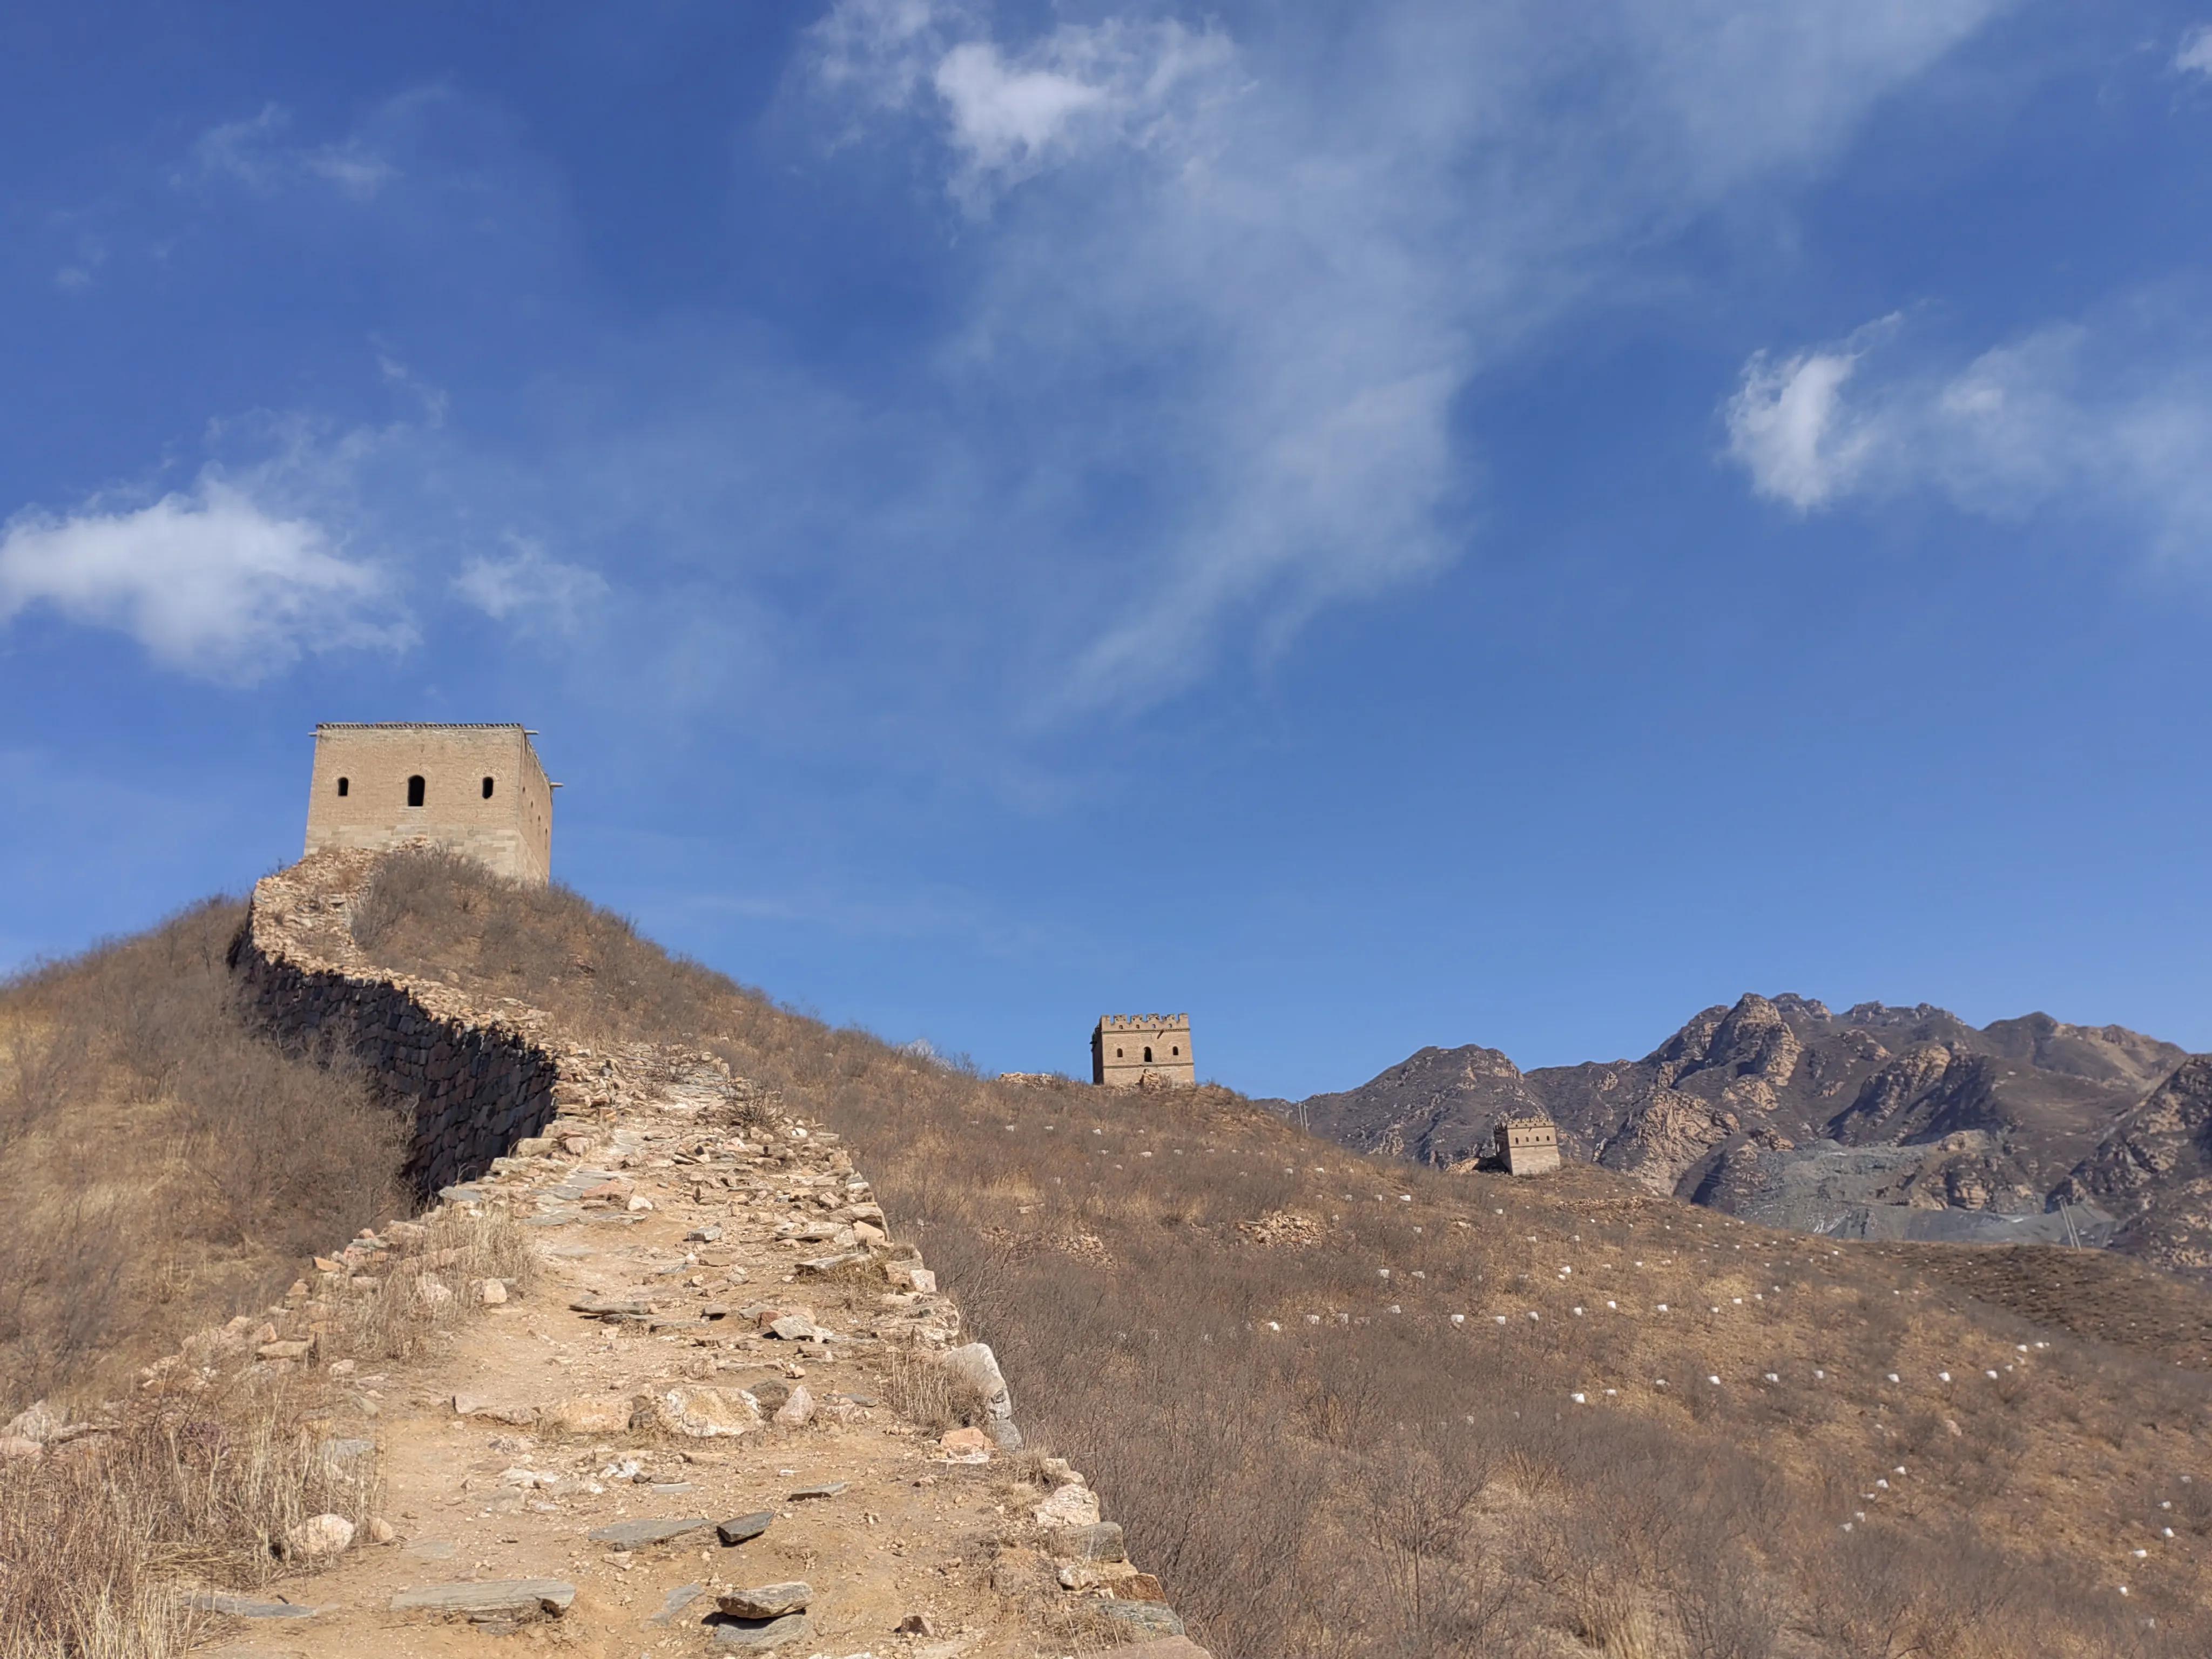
x=94 y=1535
x=167 y=1164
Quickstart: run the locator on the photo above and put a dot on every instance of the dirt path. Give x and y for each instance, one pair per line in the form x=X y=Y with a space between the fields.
x=671 y=1234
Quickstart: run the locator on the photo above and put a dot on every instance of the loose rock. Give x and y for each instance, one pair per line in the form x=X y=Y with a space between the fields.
x=318 y=1535
x=768 y=1601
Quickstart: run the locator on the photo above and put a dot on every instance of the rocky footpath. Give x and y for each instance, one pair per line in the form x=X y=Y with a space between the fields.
x=712 y=1419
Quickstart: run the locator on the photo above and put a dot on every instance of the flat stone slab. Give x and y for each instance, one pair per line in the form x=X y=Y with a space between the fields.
x=821 y=1489
x=759 y=1635
x=494 y=1598
x=429 y=1549
x=613 y=1307
x=745 y=1527
x=636 y=1535
x=240 y=1607
x=676 y=1601
x=766 y=1600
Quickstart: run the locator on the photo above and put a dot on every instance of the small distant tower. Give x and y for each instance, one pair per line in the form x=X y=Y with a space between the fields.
x=1528 y=1145
x=1126 y=1048
x=475 y=790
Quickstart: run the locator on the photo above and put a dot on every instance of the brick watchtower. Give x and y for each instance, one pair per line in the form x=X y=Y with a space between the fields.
x=476 y=790
x=1126 y=1048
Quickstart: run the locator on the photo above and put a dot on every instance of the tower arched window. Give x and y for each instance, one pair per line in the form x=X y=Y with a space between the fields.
x=487 y=788
x=1148 y=1056
x=415 y=790
x=345 y=786
x=1176 y=1050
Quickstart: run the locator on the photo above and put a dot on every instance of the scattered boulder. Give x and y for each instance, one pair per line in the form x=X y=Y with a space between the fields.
x=491 y=1293
x=760 y=1635
x=1070 y=1505
x=796 y=1410
x=675 y=1602
x=977 y=1366
x=636 y=1534
x=493 y=1599
x=742 y=1529
x=966 y=1445
x=768 y=1601
x=707 y=1413
x=318 y=1535
x=379 y=1529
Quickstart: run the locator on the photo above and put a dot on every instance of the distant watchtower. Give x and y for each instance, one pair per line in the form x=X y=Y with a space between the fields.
x=475 y=790
x=1528 y=1145
x=1126 y=1048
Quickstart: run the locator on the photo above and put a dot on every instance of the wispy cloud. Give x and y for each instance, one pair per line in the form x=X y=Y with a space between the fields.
x=1235 y=285
x=2110 y=417
x=1010 y=112
x=209 y=580
x=258 y=152
x=1788 y=426
x=531 y=590
x=2194 y=54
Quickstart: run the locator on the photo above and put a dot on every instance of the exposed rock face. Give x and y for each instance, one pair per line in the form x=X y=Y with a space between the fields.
x=2154 y=1172
x=1879 y=1121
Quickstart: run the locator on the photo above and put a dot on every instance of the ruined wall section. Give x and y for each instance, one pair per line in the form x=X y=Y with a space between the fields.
x=473 y=1083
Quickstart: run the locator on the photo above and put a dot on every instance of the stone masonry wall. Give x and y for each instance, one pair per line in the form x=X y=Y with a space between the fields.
x=473 y=1087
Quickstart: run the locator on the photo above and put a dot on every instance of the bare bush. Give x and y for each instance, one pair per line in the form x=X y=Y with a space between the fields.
x=93 y=1537
x=167 y=1163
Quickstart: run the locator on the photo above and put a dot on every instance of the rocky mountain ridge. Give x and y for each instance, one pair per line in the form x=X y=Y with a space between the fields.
x=1879 y=1121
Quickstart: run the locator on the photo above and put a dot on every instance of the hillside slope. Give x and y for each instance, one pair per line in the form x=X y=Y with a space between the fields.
x=1352 y=1406
x=1341 y=1404
x=1875 y=1123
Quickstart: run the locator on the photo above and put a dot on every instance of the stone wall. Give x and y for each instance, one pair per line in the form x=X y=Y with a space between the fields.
x=471 y=1086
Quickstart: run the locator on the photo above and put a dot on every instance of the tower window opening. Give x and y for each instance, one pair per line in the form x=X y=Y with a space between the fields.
x=345 y=786
x=1148 y=1056
x=1177 y=1050
x=415 y=790
x=1117 y=1053
x=487 y=788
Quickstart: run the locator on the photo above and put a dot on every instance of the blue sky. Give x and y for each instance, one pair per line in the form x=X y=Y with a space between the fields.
x=1384 y=524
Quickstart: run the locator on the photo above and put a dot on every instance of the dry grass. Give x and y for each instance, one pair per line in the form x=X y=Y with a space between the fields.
x=1313 y=1474
x=431 y=1284
x=165 y=1163
x=100 y=1539
x=1316 y=1475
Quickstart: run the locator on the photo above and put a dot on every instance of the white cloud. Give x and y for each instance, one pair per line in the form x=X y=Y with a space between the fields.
x=1237 y=279
x=1008 y=115
x=1788 y=427
x=255 y=153
x=2194 y=51
x=209 y=580
x=532 y=590
x=2109 y=418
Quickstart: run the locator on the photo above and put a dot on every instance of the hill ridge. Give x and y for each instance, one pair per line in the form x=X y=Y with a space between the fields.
x=1881 y=1122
